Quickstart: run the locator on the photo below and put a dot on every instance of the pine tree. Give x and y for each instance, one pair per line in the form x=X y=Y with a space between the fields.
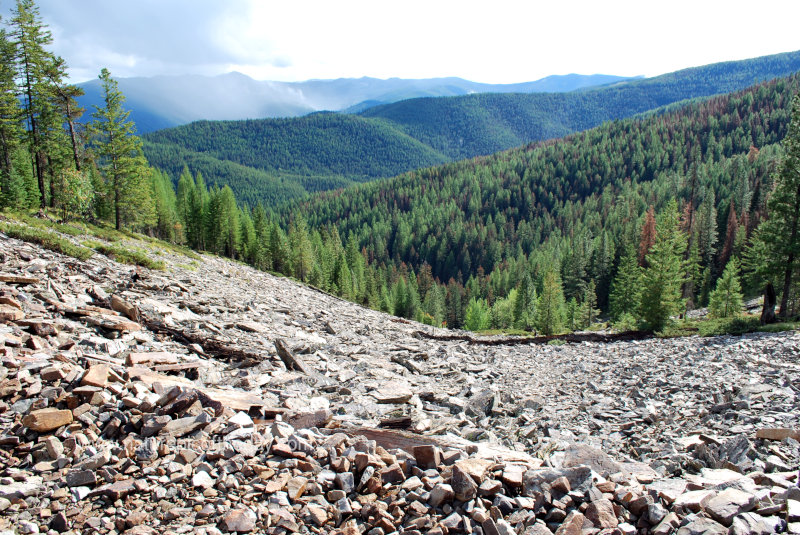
x=573 y=315
x=31 y=37
x=278 y=249
x=726 y=300
x=262 y=259
x=120 y=158
x=167 y=226
x=224 y=222
x=248 y=247
x=626 y=287
x=302 y=257
x=663 y=278
x=64 y=96
x=10 y=123
x=776 y=245
x=589 y=310
x=550 y=307
x=525 y=303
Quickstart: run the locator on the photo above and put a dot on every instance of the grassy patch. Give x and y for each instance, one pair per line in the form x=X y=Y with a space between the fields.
x=129 y=256
x=510 y=332
x=178 y=249
x=45 y=238
x=189 y=267
x=104 y=233
x=721 y=326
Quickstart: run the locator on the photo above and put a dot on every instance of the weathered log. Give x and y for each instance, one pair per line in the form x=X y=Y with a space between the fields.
x=524 y=340
x=402 y=422
x=288 y=358
x=210 y=346
x=17 y=279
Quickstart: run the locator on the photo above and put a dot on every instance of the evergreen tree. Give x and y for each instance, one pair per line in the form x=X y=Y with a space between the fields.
x=167 y=226
x=726 y=300
x=777 y=243
x=454 y=304
x=120 y=158
x=31 y=38
x=665 y=273
x=550 y=307
x=589 y=310
x=627 y=286
x=261 y=259
x=525 y=303
x=477 y=315
x=248 y=246
x=64 y=96
x=10 y=124
x=302 y=257
x=279 y=250
x=573 y=315
x=223 y=222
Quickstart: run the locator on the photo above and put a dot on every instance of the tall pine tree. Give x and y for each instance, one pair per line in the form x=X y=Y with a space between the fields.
x=665 y=273
x=120 y=158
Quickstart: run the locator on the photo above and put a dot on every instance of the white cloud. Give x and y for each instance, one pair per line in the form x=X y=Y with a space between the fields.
x=505 y=41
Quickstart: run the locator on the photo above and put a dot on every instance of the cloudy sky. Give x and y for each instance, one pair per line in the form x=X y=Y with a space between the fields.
x=500 y=41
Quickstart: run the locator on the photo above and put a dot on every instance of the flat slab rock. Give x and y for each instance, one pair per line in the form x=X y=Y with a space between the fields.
x=239 y=521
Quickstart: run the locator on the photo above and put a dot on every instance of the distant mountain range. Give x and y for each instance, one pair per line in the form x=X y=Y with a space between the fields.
x=166 y=101
x=271 y=160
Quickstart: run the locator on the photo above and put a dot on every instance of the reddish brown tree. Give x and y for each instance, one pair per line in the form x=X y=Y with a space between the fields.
x=648 y=236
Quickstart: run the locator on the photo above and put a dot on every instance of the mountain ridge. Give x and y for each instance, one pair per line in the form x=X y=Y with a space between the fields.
x=432 y=129
x=170 y=100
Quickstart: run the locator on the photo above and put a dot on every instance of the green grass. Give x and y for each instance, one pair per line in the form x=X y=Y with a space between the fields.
x=508 y=332
x=721 y=326
x=129 y=256
x=178 y=249
x=188 y=267
x=45 y=238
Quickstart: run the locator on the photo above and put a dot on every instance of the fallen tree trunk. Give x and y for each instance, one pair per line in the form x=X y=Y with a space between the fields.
x=525 y=340
x=212 y=347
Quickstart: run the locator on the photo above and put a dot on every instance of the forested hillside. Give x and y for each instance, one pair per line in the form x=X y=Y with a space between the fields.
x=330 y=150
x=324 y=151
x=573 y=206
x=638 y=220
x=462 y=127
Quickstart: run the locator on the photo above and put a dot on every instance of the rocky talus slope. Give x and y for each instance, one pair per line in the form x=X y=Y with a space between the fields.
x=210 y=397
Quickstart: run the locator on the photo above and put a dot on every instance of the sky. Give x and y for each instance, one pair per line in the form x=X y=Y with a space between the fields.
x=497 y=41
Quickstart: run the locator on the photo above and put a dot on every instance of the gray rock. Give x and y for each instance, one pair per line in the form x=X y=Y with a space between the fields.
x=21 y=489
x=729 y=503
x=702 y=526
x=239 y=521
x=440 y=494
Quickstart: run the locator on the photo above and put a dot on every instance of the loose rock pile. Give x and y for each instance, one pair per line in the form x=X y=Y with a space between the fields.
x=214 y=398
